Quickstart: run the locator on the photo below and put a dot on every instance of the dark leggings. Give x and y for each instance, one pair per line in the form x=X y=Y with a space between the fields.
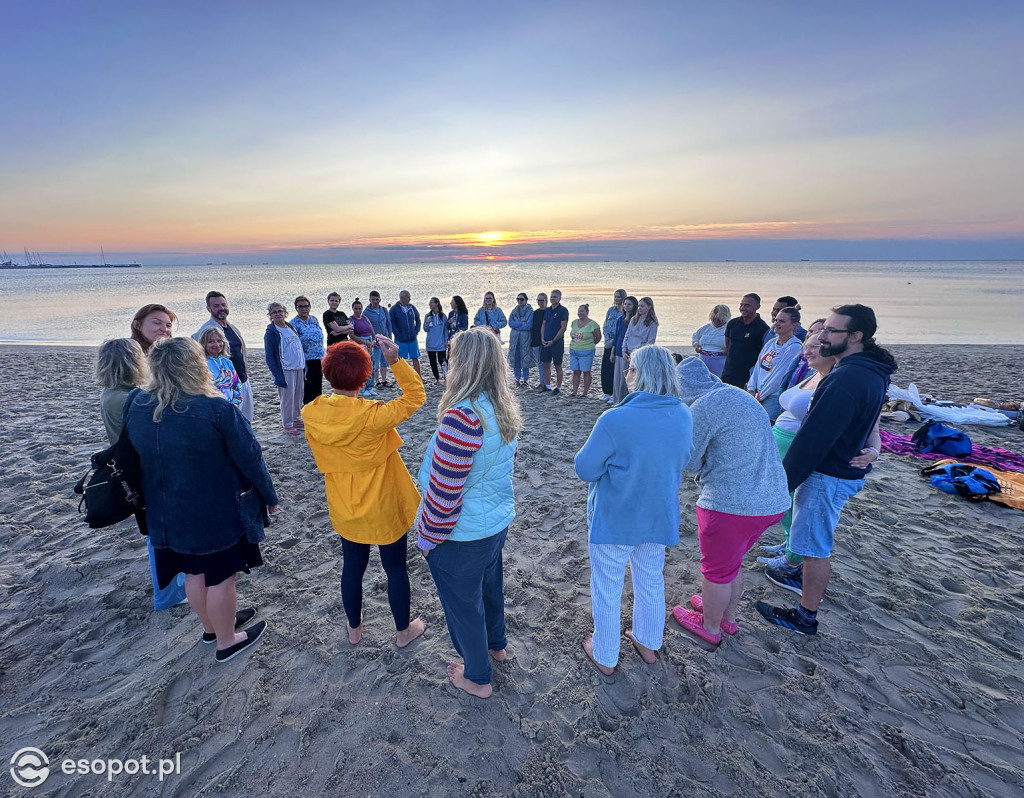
x=607 y=371
x=437 y=359
x=356 y=556
x=314 y=385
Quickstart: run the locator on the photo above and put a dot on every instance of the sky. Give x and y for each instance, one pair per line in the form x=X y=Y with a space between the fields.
x=442 y=131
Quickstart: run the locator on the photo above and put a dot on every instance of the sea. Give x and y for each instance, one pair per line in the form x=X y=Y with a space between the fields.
x=916 y=302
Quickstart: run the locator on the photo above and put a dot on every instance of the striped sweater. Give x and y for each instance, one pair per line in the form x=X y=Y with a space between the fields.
x=459 y=436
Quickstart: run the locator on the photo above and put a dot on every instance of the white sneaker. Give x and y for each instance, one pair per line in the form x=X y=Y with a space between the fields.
x=605 y=398
x=369 y=392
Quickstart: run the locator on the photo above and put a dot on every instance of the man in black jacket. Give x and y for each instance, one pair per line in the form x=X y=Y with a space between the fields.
x=842 y=414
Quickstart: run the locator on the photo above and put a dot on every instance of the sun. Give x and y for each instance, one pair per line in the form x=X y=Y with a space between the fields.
x=492 y=238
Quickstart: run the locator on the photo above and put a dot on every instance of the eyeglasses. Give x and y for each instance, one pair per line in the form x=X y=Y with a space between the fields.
x=300 y=307
x=277 y=313
x=834 y=331
x=520 y=299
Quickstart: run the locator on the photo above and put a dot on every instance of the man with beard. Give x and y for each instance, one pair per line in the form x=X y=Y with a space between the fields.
x=842 y=415
x=743 y=337
x=218 y=307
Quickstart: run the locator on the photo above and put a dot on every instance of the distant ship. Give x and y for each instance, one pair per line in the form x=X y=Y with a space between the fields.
x=34 y=261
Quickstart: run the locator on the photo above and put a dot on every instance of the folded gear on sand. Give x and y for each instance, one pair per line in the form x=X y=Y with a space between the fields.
x=936 y=437
x=977 y=484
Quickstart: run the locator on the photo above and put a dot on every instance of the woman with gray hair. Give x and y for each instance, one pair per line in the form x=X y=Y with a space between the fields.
x=286 y=359
x=709 y=340
x=624 y=475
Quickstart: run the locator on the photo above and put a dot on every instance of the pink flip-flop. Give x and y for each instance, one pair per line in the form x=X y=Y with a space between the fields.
x=694 y=622
x=729 y=627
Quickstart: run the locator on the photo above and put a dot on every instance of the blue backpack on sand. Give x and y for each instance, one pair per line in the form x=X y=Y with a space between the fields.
x=973 y=483
x=938 y=438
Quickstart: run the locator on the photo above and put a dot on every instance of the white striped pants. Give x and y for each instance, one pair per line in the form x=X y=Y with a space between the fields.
x=607 y=573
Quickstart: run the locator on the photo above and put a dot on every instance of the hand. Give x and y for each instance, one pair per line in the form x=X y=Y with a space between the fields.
x=424 y=552
x=611 y=358
x=272 y=509
x=389 y=348
x=697 y=349
x=864 y=459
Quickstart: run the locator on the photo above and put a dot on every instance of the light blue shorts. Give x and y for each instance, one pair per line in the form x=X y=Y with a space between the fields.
x=581 y=360
x=409 y=350
x=817 y=504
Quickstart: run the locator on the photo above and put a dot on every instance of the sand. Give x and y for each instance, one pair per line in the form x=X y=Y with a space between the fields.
x=913 y=686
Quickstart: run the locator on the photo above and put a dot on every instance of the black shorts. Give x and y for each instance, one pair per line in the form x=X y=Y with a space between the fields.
x=554 y=353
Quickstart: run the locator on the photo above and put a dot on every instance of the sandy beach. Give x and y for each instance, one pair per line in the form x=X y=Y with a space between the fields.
x=913 y=686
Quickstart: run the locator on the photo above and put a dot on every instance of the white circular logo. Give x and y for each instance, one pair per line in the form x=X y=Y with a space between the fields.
x=30 y=767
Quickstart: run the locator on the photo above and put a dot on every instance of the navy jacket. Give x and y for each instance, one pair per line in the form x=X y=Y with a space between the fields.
x=404 y=333
x=842 y=414
x=203 y=475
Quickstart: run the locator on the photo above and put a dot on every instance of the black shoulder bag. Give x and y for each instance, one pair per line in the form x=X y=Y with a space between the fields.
x=111 y=489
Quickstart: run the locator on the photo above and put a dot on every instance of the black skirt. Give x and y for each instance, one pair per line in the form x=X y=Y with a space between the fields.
x=215 y=567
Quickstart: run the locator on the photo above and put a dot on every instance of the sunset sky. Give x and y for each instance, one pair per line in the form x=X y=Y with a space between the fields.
x=410 y=131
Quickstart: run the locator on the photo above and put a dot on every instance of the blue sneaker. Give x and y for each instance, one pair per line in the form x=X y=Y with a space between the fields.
x=785 y=617
x=790 y=580
x=775 y=550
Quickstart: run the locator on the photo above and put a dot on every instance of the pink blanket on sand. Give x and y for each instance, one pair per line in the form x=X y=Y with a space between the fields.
x=991 y=456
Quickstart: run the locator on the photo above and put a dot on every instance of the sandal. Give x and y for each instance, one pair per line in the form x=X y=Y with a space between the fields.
x=693 y=622
x=729 y=627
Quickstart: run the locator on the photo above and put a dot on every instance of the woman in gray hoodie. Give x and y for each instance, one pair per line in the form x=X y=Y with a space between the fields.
x=742 y=492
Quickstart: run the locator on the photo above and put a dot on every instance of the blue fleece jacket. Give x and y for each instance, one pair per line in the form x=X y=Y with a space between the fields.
x=634 y=461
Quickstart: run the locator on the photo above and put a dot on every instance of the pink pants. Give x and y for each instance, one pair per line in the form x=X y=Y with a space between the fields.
x=724 y=539
x=291 y=399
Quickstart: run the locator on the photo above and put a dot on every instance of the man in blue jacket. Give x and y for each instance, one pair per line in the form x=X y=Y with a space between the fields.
x=406 y=324
x=842 y=414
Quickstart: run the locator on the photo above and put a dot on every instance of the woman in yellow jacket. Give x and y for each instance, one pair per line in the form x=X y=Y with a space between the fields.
x=371 y=497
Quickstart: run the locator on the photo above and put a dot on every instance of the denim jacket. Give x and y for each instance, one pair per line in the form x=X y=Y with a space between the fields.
x=203 y=475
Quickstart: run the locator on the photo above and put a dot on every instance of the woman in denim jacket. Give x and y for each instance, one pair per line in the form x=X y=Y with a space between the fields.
x=205 y=486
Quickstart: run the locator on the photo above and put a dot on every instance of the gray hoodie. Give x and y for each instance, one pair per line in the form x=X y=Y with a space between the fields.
x=734 y=453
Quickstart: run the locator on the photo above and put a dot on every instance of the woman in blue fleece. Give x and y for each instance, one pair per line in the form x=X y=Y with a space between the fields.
x=634 y=457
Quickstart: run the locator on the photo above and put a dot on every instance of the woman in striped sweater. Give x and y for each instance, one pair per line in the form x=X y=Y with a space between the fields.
x=467 y=506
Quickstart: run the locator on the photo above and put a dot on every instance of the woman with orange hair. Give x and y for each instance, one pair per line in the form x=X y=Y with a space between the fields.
x=371 y=497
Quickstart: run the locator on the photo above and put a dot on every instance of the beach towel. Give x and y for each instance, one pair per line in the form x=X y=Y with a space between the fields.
x=952 y=414
x=988 y=456
x=1011 y=485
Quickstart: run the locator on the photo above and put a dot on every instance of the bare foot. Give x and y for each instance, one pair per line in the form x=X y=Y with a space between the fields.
x=588 y=647
x=354 y=635
x=499 y=656
x=648 y=655
x=416 y=627
x=456 y=677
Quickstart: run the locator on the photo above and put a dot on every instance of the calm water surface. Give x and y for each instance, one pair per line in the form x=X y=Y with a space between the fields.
x=916 y=302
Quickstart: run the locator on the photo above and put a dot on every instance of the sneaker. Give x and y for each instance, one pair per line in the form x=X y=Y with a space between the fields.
x=242 y=617
x=556 y=390
x=606 y=397
x=792 y=580
x=543 y=388
x=786 y=617
x=252 y=634
x=780 y=563
x=729 y=627
x=777 y=549
x=292 y=431
x=369 y=392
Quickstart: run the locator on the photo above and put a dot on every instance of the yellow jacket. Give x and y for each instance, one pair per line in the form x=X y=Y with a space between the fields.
x=370 y=495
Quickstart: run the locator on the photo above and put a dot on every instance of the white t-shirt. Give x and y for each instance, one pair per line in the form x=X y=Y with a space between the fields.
x=293 y=358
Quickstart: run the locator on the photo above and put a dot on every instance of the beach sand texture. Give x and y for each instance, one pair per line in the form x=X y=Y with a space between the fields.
x=914 y=686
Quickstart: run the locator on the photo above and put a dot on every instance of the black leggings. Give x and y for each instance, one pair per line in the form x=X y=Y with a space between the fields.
x=314 y=385
x=607 y=371
x=437 y=359
x=356 y=556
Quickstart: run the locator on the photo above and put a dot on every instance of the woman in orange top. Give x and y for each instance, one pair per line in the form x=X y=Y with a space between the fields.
x=371 y=497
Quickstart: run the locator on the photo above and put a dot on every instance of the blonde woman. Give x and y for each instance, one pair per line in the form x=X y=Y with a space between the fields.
x=121 y=367
x=206 y=487
x=468 y=504
x=709 y=341
x=642 y=328
x=218 y=360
